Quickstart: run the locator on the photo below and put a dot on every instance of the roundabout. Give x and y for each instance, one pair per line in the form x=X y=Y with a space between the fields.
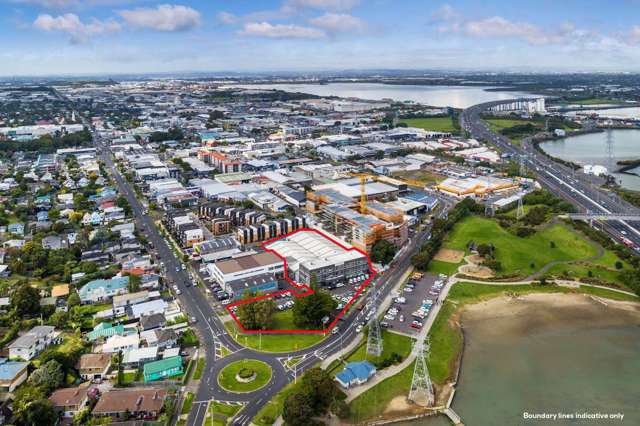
x=243 y=376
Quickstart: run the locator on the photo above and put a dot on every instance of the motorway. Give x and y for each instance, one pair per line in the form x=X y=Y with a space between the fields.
x=211 y=329
x=575 y=187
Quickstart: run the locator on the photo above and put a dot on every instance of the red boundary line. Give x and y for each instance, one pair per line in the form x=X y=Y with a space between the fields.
x=307 y=290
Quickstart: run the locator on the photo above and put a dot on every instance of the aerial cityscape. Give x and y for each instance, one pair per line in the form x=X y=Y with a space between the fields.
x=319 y=212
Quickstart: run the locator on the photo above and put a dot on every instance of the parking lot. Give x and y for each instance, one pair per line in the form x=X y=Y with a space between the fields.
x=413 y=303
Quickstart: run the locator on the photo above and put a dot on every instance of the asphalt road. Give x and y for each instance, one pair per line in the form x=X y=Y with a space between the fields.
x=575 y=187
x=212 y=331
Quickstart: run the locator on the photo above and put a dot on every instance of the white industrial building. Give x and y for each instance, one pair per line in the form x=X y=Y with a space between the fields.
x=308 y=253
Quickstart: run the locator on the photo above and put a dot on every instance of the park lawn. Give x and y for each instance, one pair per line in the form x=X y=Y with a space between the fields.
x=374 y=401
x=227 y=377
x=609 y=294
x=436 y=124
x=602 y=269
x=391 y=342
x=440 y=267
x=197 y=374
x=521 y=256
x=273 y=342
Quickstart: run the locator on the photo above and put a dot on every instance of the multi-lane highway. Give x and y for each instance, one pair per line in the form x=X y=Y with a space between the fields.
x=575 y=187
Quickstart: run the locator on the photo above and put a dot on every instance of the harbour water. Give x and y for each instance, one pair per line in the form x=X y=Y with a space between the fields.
x=592 y=149
x=454 y=96
x=568 y=358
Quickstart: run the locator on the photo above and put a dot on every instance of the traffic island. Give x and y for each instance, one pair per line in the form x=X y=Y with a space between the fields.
x=247 y=375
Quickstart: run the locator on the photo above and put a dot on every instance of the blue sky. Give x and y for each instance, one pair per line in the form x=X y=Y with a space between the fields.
x=43 y=37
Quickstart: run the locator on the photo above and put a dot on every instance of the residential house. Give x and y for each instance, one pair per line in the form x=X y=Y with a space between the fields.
x=139 y=402
x=121 y=343
x=139 y=356
x=149 y=322
x=103 y=290
x=60 y=290
x=12 y=374
x=162 y=369
x=34 y=341
x=94 y=366
x=124 y=300
x=69 y=401
x=151 y=307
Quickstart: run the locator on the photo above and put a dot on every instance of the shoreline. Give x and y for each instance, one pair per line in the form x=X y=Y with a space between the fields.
x=501 y=307
x=513 y=306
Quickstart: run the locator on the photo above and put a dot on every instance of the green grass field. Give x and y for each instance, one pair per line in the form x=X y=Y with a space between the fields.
x=374 y=401
x=440 y=267
x=283 y=320
x=273 y=409
x=273 y=342
x=219 y=413
x=392 y=342
x=436 y=124
x=197 y=374
x=188 y=402
x=521 y=257
x=227 y=378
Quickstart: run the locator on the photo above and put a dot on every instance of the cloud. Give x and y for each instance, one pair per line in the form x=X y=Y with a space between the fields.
x=164 y=17
x=632 y=36
x=331 y=5
x=227 y=18
x=499 y=27
x=265 y=29
x=71 y=24
x=444 y=13
x=339 y=23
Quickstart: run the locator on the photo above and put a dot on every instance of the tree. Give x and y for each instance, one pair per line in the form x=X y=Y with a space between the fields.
x=73 y=299
x=258 y=314
x=317 y=383
x=41 y=413
x=26 y=300
x=309 y=311
x=383 y=252
x=59 y=319
x=298 y=410
x=48 y=377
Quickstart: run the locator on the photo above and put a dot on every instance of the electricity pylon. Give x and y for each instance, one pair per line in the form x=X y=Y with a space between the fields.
x=374 y=339
x=421 y=391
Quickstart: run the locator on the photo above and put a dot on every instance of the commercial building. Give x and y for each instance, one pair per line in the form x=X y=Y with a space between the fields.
x=217 y=249
x=246 y=267
x=264 y=283
x=475 y=187
x=310 y=253
x=363 y=230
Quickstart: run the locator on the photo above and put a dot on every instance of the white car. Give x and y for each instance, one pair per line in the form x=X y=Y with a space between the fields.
x=358 y=329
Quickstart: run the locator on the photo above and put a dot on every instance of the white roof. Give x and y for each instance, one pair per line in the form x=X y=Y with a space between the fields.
x=312 y=250
x=136 y=355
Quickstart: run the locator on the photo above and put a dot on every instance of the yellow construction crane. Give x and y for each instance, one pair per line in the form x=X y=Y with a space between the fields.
x=363 y=190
